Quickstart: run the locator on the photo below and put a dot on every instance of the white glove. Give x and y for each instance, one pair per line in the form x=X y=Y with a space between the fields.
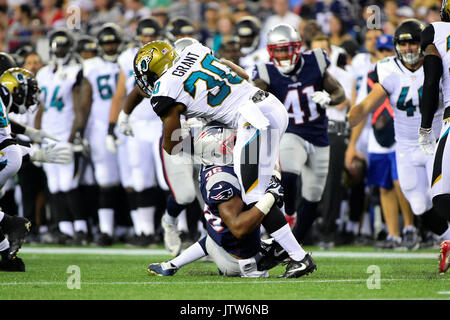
x=55 y=153
x=80 y=145
x=111 y=143
x=123 y=122
x=322 y=98
x=427 y=141
x=38 y=135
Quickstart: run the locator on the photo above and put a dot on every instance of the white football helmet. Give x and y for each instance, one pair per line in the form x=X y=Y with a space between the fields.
x=215 y=144
x=283 y=44
x=182 y=43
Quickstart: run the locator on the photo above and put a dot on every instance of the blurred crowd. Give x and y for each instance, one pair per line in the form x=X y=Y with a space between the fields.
x=25 y=24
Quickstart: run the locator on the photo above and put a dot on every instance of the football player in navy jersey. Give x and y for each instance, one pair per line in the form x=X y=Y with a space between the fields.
x=301 y=81
x=234 y=240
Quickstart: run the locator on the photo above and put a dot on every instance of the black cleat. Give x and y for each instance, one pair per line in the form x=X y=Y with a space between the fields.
x=104 y=240
x=296 y=269
x=272 y=255
x=80 y=239
x=12 y=265
x=16 y=228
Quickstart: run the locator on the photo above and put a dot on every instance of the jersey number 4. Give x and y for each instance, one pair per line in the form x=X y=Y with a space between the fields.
x=408 y=106
x=213 y=100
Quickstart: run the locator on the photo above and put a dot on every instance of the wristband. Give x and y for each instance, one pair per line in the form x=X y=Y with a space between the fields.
x=265 y=203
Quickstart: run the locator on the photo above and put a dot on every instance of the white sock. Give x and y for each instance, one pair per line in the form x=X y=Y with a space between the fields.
x=169 y=219
x=106 y=221
x=147 y=220
x=80 y=226
x=135 y=218
x=2 y=214
x=445 y=235
x=194 y=252
x=287 y=241
x=182 y=221
x=4 y=245
x=66 y=227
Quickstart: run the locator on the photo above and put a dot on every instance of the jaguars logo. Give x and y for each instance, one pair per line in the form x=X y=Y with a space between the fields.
x=146 y=59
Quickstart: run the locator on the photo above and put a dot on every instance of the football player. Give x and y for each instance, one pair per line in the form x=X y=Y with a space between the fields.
x=143 y=160
x=178 y=28
x=102 y=73
x=87 y=47
x=400 y=79
x=234 y=240
x=302 y=82
x=435 y=43
x=18 y=92
x=63 y=113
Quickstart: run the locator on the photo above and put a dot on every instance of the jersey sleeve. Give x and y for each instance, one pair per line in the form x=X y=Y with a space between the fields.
x=323 y=60
x=260 y=72
x=383 y=75
x=221 y=191
x=427 y=37
x=164 y=97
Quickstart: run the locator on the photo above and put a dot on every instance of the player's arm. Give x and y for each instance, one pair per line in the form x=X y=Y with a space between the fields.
x=82 y=102
x=118 y=98
x=38 y=118
x=171 y=123
x=351 y=152
x=240 y=222
x=237 y=69
x=334 y=88
x=373 y=100
x=433 y=70
x=133 y=99
x=260 y=83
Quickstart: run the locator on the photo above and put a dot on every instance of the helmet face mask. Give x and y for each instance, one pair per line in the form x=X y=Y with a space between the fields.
x=214 y=145
x=407 y=41
x=406 y=54
x=109 y=39
x=151 y=62
x=283 y=45
x=179 y=27
x=148 y=29
x=61 y=45
x=248 y=30
x=23 y=87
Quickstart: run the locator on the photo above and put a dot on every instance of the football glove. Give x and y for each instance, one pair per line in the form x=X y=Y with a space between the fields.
x=123 y=121
x=55 y=153
x=276 y=190
x=427 y=141
x=80 y=144
x=322 y=98
x=38 y=136
x=111 y=139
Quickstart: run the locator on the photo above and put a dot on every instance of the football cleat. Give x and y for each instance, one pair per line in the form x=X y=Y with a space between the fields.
x=411 y=239
x=163 y=269
x=273 y=254
x=172 y=239
x=296 y=269
x=444 y=256
x=12 y=265
x=16 y=228
x=104 y=240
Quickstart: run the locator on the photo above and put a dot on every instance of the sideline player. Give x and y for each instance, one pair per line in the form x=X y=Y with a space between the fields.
x=302 y=82
x=435 y=43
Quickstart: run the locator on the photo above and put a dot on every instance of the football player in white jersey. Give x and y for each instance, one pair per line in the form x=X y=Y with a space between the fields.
x=18 y=92
x=102 y=73
x=64 y=113
x=400 y=79
x=143 y=161
x=435 y=43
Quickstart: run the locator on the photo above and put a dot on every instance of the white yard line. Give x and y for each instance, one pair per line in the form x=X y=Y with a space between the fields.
x=152 y=252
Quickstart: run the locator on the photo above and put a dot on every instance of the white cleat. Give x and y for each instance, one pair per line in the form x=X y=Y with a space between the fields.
x=172 y=240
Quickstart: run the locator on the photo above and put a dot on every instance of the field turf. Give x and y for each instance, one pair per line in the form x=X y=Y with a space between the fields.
x=120 y=273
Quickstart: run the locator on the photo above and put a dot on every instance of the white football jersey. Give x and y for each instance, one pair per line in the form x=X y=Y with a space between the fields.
x=143 y=110
x=249 y=61
x=208 y=88
x=361 y=65
x=442 y=42
x=57 y=99
x=404 y=89
x=102 y=76
x=5 y=103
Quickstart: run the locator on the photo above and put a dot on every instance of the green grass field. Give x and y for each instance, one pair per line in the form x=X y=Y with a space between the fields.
x=120 y=273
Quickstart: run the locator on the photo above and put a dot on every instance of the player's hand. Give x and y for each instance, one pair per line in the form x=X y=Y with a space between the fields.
x=276 y=190
x=123 y=121
x=38 y=136
x=111 y=139
x=427 y=140
x=80 y=145
x=61 y=153
x=322 y=98
x=350 y=154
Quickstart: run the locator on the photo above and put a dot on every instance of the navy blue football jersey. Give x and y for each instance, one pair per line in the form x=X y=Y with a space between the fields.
x=306 y=118
x=219 y=184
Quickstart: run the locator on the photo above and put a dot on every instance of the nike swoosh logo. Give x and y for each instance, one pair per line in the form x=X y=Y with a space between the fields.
x=302 y=267
x=154 y=105
x=278 y=253
x=218 y=188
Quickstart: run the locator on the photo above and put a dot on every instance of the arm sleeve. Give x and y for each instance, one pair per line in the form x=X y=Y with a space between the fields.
x=427 y=37
x=432 y=68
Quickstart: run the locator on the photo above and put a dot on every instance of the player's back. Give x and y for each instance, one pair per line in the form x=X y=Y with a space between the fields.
x=442 y=42
x=57 y=97
x=404 y=88
x=103 y=76
x=219 y=184
x=306 y=118
x=204 y=85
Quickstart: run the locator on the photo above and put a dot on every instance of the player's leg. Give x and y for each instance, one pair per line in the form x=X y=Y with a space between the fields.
x=256 y=151
x=314 y=176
